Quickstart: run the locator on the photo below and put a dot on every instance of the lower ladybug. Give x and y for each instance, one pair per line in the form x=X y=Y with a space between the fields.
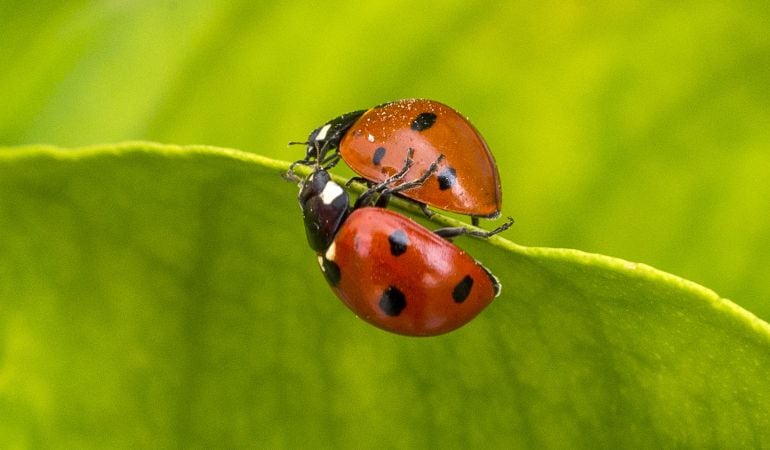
x=388 y=269
x=374 y=143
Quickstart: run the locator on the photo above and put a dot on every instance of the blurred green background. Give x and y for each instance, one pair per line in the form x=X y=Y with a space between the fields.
x=638 y=130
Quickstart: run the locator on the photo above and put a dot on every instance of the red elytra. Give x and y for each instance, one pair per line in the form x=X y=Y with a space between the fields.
x=403 y=278
x=374 y=143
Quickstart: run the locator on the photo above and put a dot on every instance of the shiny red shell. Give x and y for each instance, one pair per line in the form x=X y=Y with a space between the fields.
x=403 y=278
x=466 y=182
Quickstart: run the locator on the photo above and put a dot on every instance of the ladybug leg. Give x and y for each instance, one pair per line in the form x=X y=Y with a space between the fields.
x=360 y=180
x=382 y=201
x=385 y=192
x=408 y=163
x=320 y=154
x=425 y=210
x=474 y=221
x=366 y=197
x=330 y=161
x=304 y=162
x=417 y=182
x=453 y=232
x=311 y=159
x=311 y=153
x=290 y=176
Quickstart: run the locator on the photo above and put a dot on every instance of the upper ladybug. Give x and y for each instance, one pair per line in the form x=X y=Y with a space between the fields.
x=375 y=142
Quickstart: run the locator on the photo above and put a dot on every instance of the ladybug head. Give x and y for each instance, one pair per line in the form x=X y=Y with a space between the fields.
x=323 y=142
x=324 y=205
x=316 y=149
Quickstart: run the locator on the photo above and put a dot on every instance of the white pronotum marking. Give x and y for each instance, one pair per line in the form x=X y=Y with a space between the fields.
x=322 y=132
x=330 y=193
x=331 y=252
x=321 y=262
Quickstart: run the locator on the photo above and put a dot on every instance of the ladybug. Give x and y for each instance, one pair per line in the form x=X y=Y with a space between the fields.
x=375 y=142
x=388 y=269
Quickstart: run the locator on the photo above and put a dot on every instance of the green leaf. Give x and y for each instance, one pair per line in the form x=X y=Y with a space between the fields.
x=158 y=296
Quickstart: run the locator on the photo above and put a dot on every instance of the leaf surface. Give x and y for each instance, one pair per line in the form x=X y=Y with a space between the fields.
x=157 y=295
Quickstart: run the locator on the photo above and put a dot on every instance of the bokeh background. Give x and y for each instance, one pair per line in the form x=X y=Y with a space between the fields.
x=634 y=129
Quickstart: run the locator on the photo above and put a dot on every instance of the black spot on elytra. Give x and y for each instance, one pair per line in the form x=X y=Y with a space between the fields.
x=398 y=242
x=379 y=153
x=463 y=289
x=332 y=272
x=423 y=121
x=447 y=178
x=392 y=301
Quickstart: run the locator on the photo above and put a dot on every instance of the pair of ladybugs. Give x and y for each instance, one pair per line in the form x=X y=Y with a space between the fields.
x=389 y=270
